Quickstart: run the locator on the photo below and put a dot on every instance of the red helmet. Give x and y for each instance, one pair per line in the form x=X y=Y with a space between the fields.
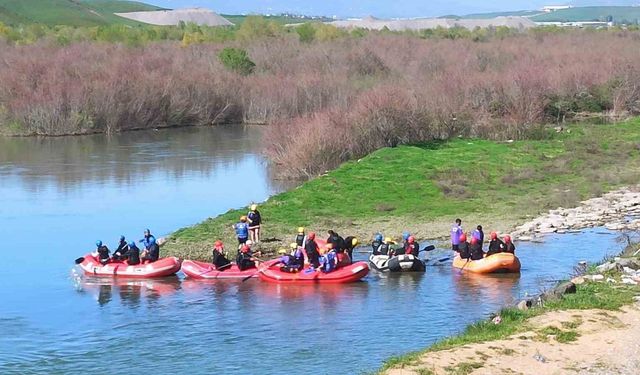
x=474 y=241
x=411 y=239
x=245 y=249
x=494 y=235
x=507 y=239
x=463 y=238
x=218 y=243
x=311 y=236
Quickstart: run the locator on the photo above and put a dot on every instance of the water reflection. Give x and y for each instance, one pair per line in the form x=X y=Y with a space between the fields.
x=129 y=291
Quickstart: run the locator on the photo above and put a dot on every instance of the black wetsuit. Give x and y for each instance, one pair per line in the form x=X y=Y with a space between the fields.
x=337 y=242
x=509 y=248
x=244 y=261
x=120 y=252
x=300 y=239
x=383 y=249
x=133 y=255
x=348 y=246
x=220 y=261
x=463 y=250
x=312 y=253
x=495 y=246
x=103 y=254
x=153 y=254
x=475 y=250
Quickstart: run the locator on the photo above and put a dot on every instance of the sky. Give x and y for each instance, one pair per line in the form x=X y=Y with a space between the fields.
x=378 y=8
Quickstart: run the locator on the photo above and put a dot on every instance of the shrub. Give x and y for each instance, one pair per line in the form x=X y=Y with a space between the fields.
x=306 y=32
x=237 y=60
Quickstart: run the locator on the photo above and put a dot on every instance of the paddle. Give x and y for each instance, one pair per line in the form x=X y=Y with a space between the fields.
x=428 y=248
x=79 y=260
x=461 y=269
x=216 y=269
x=259 y=269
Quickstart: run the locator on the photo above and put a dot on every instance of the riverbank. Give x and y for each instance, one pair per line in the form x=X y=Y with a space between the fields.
x=423 y=188
x=594 y=330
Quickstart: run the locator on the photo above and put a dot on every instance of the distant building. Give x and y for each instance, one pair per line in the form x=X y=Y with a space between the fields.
x=553 y=8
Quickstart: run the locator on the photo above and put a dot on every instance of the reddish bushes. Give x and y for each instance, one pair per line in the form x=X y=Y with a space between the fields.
x=327 y=102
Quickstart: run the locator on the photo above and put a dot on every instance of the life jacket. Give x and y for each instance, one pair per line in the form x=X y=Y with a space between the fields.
x=300 y=239
x=383 y=249
x=243 y=260
x=376 y=245
x=478 y=236
x=103 y=252
x=242 y=230
x=413 y=249
x=476 y=251
x=495 y=246
x=147 y=241
x=328 y=262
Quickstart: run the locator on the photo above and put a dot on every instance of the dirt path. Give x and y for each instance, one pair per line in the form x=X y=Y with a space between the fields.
x=592 y=342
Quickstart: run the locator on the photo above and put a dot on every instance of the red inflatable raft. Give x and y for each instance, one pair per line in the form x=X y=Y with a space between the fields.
x=202 y=270
x=160 y=268
x=346 y=274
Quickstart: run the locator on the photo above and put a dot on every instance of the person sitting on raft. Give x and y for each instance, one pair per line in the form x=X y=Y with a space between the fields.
x=412 y=247
x=133 y=254
x=148 y=237
x=328 y=260
x=311 y=251
x=475 y=250
x=301 y=237
x=478 y=234
x=122 y=249
x=255 y=220
x=242 y=230
x=405 y=238
x=456 y=232
x=376 y=243
x=219 y=259
x=509 y=247
x=495 y=244
x=151 y=253
x=350 y=243
x=245 y=260
x=294 y=261
x=103 y=253
x=463 y=247
x=385 y=247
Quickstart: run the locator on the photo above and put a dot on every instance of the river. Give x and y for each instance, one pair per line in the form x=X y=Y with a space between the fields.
x=59 y=195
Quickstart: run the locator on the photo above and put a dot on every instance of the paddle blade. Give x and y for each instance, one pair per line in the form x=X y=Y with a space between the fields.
x=428 y=248
x=79 y=260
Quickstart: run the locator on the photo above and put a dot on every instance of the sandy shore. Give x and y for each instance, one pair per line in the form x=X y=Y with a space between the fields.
x=608 y=342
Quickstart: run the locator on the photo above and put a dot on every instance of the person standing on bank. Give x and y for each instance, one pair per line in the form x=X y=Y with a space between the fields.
x=255 y=221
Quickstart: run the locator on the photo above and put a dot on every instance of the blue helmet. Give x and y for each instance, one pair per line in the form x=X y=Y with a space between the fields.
x=405 y=235
x=121 y=238
x=378 y=237
x=132 y=244
x=98 y=243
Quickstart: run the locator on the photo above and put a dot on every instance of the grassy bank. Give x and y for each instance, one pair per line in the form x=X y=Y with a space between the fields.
x=424 y=188
x=601 y=296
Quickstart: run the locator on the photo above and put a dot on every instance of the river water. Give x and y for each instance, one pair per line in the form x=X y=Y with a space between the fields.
x=58 y=196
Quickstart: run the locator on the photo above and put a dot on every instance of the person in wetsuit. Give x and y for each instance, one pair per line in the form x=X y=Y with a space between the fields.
x=509 y=247
x=245 y=260
x=495 y=244
x=350 y=243
x=300 y=237
x=311 y=250
x=375 y=244
x=218 y=258
x=133 y=254
x=103 y=253
x=335 y=240
x=475 y=250
x=152 y=253
x=463 y=247
x=412 y=247
x=122 y=249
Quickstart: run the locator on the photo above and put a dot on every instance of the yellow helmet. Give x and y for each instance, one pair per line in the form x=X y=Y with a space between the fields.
x=300 y=230
x=282 y=251
x=354 y=242
x=254 y=207
x=388 y=239
x=243 y=218
x=293 y=245
x=329 y=246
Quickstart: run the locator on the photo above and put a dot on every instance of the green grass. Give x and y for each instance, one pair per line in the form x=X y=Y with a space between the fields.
x=496 y=184
x=68 y=12
x=463 y=368
x=621 y=14
x=604 y=296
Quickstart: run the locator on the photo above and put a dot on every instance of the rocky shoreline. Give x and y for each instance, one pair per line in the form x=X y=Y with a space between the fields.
x=615 y=210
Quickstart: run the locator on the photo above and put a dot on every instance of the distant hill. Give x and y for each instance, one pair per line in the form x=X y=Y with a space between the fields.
x=69 y=12
x=281 y=19
x=626 y=14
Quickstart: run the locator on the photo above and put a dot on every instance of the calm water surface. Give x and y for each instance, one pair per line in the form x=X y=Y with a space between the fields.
x=57 y=196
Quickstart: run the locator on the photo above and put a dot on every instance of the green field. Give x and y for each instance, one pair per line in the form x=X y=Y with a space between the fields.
x=68 y=12
x=622 y=14
x=423 y=188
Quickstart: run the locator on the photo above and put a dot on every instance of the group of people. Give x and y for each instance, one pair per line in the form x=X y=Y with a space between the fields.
x=248 y=228
x=473 y=250
x=387 y=246
x=129 y=252
x=245 y=258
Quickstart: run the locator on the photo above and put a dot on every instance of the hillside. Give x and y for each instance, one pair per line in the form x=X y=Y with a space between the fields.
x=69 y=12
x=619 y=14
